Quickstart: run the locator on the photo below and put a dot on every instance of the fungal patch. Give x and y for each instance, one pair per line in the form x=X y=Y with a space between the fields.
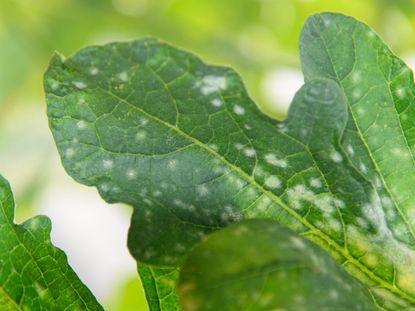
x=238 y=146
x=400 y=92
x=211 y=84
x=107 y=164
x=275 y=161
x=69 y=153
x=54 y=85
x=202 y=190
x=131 y=174
x=141 y=135
x=363 y=168
x=80 y=84
x=93 y=71
x=350 y=150
x=249 y=152
x=216 y=102
x=123 y=76
x=356 y=77
x=336 y=157
x=273 y=182
x=172 y=165
x=316 y=183
x=239 y=110
x=81 y=125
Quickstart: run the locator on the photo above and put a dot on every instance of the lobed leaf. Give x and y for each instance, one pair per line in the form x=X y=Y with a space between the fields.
x=181 y=141
x=35 y=275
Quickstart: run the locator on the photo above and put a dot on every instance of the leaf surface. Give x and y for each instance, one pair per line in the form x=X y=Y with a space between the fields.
x=181 y=141
x=160 y=287
x=379 y=137
x=35 y=275
x=259 y=265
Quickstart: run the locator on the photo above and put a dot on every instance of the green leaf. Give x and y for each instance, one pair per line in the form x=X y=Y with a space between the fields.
x=160 y=287
x=35 y=275
x=379 y=138
x=181 y=141
x=261 y=265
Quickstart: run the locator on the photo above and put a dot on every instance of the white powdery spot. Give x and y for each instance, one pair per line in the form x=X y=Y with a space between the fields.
x=214 y=147
x=93 y=71
x=325 y=203
x=131 y=174
x=69 y=153
x=81 y=124
x=107 y=164
x=54 y=85
x=239 y=110
x=249 y=152
x=123 y=76
x=378 y=182
x=238 y=146
x=356 y=77
x=273 y=182
x=298 y=243
x=143 y=121
x=248 y=127
x=336 y=157
x=216 y=102
x=202 y=190
x=350 y=150
x=211 y=84
x=275 y=161
x=363 y=168
x=400 y=91
x=316 y=183
x=357 y=94
x=299 y=193
x=80 y=84
x=172 y=165
x=141 y=135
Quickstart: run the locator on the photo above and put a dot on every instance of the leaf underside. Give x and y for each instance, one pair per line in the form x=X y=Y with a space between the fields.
x=181 y=141
x=35 y=275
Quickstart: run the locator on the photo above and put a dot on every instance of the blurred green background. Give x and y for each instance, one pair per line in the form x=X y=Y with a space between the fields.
x=256 y=37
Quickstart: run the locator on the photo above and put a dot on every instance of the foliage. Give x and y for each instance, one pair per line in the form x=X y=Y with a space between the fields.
x=182 y=143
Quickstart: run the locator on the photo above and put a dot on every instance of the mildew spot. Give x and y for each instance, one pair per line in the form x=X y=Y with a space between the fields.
x=211 y=84
x=273 y=182
x=275 y=161
x=238 y=110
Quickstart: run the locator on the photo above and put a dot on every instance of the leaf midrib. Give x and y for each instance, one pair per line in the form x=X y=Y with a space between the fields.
x=277 y=200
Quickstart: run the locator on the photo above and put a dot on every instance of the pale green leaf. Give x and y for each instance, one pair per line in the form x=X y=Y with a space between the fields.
x=35 y=275
x=258 y=265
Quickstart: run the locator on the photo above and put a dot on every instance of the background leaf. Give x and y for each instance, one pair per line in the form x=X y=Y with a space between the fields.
x=260 y=265
x=35 y=275
x=160 y=287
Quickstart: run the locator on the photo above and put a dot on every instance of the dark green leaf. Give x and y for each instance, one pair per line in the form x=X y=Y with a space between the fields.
x=35 y=275
x=154 y=127
x=260 y=265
